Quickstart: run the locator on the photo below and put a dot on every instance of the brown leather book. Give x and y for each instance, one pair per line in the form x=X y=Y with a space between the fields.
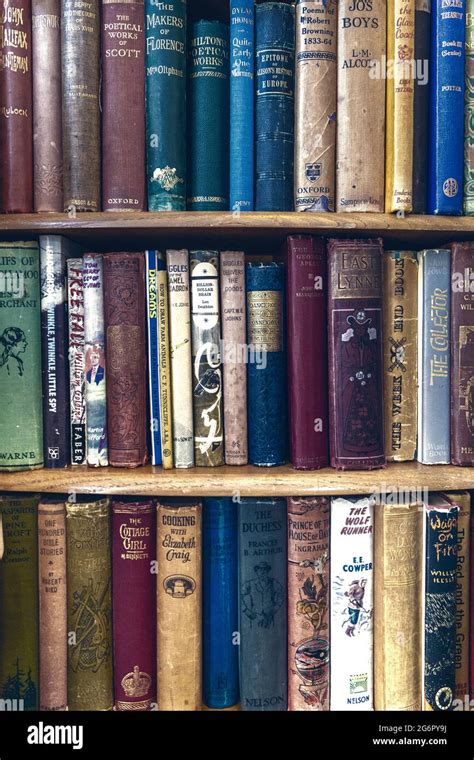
x=47 y=127
x=462 y=354
x=123 y=105
x=16 y=106
x=125 y=340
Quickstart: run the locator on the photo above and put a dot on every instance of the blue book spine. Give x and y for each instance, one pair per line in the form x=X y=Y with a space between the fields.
x=153 y=365
x=447 y=84
x=242 y=118
x=275 y=65
x=266 y=367
x=220 y=603
x=263 y=604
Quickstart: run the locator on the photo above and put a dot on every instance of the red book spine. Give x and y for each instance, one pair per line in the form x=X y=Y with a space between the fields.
x=462 y=354
x=471 y=608
x=307 y=352
x=123 y=105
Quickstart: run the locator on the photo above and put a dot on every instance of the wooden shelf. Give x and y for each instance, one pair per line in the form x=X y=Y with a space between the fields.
x=246 y=481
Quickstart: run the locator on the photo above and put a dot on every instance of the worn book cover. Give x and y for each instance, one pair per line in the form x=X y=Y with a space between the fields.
x=462 y=354
x=77 y=362
x=242 y=104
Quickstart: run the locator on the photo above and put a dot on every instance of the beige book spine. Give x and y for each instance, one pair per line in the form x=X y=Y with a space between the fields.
x=463 y=499
x=164 y=368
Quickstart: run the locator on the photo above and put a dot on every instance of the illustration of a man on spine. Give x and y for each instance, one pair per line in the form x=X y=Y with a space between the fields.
x=355 y=604
x=96 y=373
x=12 y=343
x=262 y=597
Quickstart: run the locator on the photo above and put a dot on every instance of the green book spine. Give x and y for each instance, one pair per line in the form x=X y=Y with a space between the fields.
x=19 y=642
x=21 y=413
x=89 y=606
x=469 y=113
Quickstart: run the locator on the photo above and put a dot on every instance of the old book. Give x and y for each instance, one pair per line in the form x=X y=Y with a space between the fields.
x=471 y=606
x=179 y=590
x=19 y=641
x=165 y=60
x=53 y=638
x=21 y=409
x=89 y=606
x=16 y=106
x=400 y=337
x=263 y=605
x=308 y=603
x=355 y=354
x=306 y=306
x=421 y=105
x=242 y=104
x=468 y=200
x=123 y=105
x=434 y=316
x=80 y=54
x=462 y=354
x=360 y=178
x=134 y=599
x=220 y=603
x=125 y=338
x=180 y=349
x=352 y=611
x=95 y=366
x=315 y=105
x=398 y=556
x=47 y=124
x=206 y=357
x=77 y=361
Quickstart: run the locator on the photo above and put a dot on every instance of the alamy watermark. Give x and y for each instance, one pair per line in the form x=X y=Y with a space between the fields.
x=409 y=69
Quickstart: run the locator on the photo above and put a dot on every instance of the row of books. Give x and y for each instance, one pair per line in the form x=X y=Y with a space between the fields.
x=300 y=604
x=370 y=352
x=127 y=106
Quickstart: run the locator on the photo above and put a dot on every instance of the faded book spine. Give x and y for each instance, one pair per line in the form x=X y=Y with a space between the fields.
x=308 y=603
x=77 y=362
x=179 y=585
x=463 y=500
x=315 y=105
x=95 y=365
x=242 y=104
x=421 y=106
x=53 y=637
x=462 y=354
x=400 y=337
x=164 y=364
x=468 y=205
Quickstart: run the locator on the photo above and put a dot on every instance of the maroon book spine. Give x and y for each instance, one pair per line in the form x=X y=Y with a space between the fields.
x=123 y=105
x=462 y=354
x=16 y=101
x=307 y=352
x=355 y=354
x=125 y=342
x=471 y=609
x=134 y=604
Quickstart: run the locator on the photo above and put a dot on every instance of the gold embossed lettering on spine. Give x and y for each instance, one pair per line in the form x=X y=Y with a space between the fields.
x=179 y=646
x=89 y=606
x=316 y=95
x=463 y=500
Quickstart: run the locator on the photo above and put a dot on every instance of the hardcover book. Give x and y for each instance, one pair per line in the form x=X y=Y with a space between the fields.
x=471 y=605
x=77 y=362
x=468 y=205
x=462 y=354
x=242 y=105
x=421 y=104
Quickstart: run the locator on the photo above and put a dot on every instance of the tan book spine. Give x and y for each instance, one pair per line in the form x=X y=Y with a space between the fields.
x=463 y=499
x=400 y=327
x=398 y=559
x=360 y=164
x=179 y=643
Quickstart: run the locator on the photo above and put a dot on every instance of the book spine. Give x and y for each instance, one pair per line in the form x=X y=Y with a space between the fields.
x=351 y=603
x=80 y=54
x=308 y=603
x=397 y=620
x=53 y=249
x=53 y=636
x=242 y=107
x=125 y=338
x=315 y=105
x=206 y=355
x=165 y=61
x=471 y=608
x=400 y=314
x=89 y=606
x=360 y=179
x=462 y=353
x=181 y=366
x=208 y=141
x=153 y=363
x=164 y=364
x=355 y=354
x=179 y=593
x=434 y=398
x=274 y=106
x=19 y=640
x=220 y=603
x=468 y=201
x=463 y=500
x=421 y=106
x=21 y=408
x=77 y=363
x=134 y=599
x=95 y=365
x=16 y=106
x=47 y=131
x=263 y=605
x=446 y=152
x=306 y=302
x=400 y=99
x=123 y=105
x=266 y=369
x=232 y=277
